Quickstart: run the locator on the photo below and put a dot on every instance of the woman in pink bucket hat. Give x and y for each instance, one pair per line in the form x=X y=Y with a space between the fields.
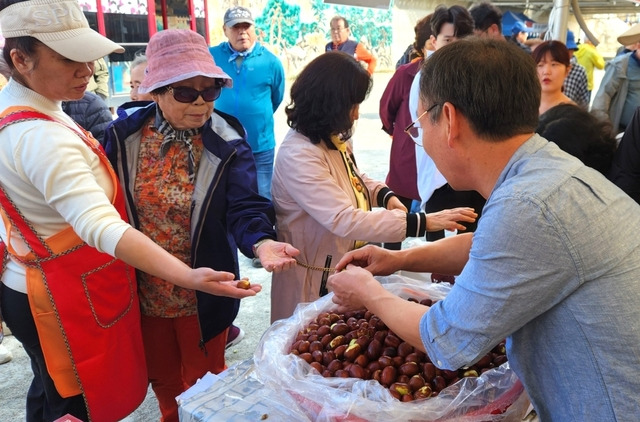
x=190 y=181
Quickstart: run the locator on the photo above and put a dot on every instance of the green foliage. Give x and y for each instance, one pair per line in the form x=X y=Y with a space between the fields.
x=279 y=24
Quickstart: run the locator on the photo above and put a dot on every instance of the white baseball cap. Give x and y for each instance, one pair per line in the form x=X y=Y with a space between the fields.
x=58 y=24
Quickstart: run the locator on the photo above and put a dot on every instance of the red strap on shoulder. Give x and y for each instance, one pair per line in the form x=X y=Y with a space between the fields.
x=36 y=244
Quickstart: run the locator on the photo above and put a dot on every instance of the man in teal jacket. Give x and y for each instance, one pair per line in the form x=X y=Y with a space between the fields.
x=258 y=88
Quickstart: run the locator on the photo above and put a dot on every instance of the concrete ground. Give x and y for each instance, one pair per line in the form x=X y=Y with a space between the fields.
x=372 y=154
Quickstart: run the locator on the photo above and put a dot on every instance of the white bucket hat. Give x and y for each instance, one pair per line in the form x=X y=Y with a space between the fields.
x=58 y=24
x=630 y=36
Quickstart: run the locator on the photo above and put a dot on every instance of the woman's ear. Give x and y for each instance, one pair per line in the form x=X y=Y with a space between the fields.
x=355 y=113
x=23 y=63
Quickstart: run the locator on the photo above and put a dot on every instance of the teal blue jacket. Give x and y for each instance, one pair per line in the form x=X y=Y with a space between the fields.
x=258 y=89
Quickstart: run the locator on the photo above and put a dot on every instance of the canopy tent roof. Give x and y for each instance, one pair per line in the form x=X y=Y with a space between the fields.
x=509 y=19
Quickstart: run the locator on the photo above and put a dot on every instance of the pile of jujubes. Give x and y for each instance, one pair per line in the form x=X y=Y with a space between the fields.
x=358 y=344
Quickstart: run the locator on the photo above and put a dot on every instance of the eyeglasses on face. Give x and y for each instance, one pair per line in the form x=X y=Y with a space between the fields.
x=183 y=94
x=339 y=29
x=413 y=129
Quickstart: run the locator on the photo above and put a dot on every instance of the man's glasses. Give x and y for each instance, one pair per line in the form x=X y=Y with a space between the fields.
x=413 y=129
x=183 y=94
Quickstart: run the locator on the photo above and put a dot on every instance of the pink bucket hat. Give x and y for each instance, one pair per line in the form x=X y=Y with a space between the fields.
x=174 y=55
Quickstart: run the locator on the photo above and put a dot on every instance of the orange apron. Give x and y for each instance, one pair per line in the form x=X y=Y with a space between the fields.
x=84 y=303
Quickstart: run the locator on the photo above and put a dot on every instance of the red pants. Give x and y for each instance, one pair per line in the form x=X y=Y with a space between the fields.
x=174 y=360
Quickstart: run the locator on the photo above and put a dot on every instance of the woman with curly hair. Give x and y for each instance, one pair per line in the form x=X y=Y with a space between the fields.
x=323 y=202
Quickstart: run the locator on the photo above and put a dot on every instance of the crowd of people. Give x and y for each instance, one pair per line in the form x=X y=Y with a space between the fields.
x=128 y=230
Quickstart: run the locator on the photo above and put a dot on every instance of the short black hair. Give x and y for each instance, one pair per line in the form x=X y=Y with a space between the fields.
x=486 y=14
x=456 y=15
x=558 y=50
x=581 y=134
x=339 y=18
x=324 y=94
x=492 y=83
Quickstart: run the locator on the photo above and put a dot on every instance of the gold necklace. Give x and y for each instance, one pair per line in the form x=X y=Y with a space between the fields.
x=315 y=268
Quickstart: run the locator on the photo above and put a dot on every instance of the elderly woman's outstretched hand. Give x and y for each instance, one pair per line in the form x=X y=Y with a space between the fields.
x=220 y=283
x=277 y=256
x=450 y=219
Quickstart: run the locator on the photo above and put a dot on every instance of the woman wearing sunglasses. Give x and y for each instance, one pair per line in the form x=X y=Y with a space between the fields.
x=190 y=182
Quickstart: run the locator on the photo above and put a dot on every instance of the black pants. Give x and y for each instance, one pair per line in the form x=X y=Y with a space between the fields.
x=43 y=401
x=396 y=246
x=445 y=197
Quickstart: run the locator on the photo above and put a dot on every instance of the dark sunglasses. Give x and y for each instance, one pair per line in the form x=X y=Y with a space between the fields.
x=184 y=94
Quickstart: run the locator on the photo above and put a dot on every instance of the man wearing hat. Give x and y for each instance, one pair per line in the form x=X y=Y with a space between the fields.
x=258 y=88
x=576 y=85
x=619 y=92
x=519 y=35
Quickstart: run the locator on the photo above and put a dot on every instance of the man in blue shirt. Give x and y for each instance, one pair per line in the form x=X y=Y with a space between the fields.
x=258 y=88
x=554 y=265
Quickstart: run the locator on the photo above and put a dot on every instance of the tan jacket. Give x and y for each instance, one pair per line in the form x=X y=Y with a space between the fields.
x=316 y=211
x=99 y=82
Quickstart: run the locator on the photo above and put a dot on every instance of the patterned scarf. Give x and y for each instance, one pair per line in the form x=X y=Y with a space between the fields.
x=235 y=54
x=179 y=136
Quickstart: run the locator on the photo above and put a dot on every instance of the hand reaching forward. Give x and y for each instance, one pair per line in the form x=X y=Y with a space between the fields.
x=276 y=256
x=374 y=259
x=353 y=288
x=449 y=219
x=220 y=283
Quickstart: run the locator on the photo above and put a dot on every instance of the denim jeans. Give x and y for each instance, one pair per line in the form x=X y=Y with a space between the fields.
x=264 y=168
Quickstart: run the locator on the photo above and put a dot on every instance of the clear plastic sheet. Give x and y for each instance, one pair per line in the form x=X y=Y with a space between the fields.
x=497 y=395
x=236 y=395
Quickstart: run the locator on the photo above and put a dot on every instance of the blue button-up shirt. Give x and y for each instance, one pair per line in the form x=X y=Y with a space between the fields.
x=554 y=268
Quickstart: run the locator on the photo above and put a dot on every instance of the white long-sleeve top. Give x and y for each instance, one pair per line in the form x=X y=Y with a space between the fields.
x=428 y=176
x=54 y=179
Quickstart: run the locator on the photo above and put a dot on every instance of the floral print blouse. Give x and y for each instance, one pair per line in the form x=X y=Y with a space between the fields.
x=163 y=192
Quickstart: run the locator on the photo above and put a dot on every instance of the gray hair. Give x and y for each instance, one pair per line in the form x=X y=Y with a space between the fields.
x=139 y=58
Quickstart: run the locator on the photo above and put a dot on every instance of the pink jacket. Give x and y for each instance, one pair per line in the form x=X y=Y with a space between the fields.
x=316 y=211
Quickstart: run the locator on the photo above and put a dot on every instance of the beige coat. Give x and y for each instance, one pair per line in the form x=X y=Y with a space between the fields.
x=316 y=211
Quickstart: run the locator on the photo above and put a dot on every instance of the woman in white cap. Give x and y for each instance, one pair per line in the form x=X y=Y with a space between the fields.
x=190 y=182
x=72 y=305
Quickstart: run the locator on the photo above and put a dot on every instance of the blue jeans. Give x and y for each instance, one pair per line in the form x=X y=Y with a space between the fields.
x=264 y=169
